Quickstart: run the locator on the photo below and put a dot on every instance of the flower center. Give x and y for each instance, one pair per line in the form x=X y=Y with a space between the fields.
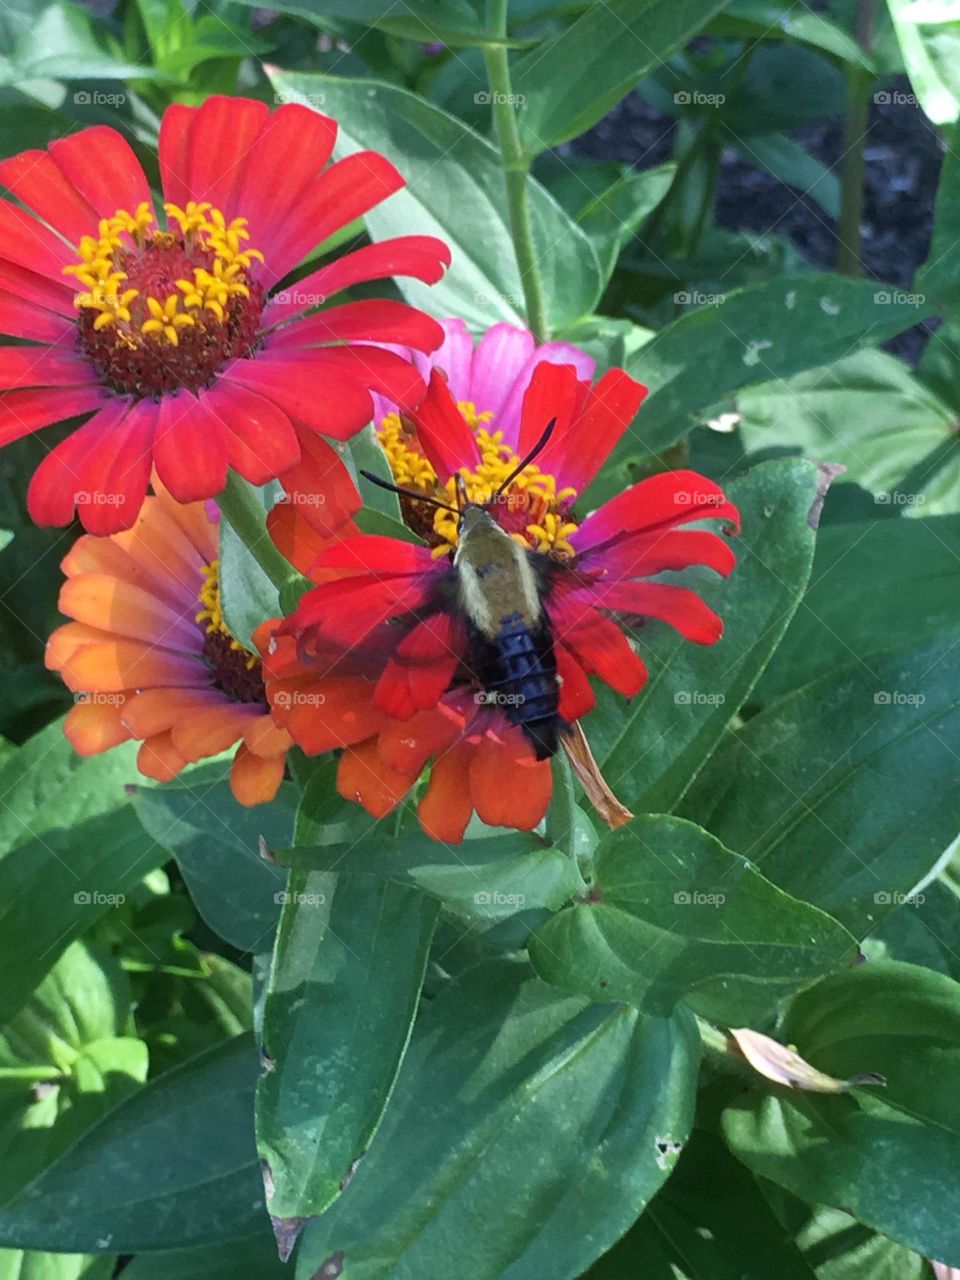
x=165 y=309
x=236 y=671
x=531 y=508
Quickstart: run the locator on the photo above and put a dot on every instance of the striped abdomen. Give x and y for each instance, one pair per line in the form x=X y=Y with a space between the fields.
x=518 y=672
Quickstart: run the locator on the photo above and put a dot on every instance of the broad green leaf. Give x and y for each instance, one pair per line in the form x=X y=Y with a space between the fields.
x=940 y=274
x=842 y=1249
x=542 y=1120
x=930 y=56
x=792 y=164
x=845 y=792
x=453 y=22
x=61 y=42
x=765 y=331
x=215 y=841
x=862 y=574
x=710 y=1222
x=247 y=595
x=480 y=879
x=69 y=840
x=924 y=930
x=253 y=1258
x=651 y=748
x=455 y=190
x=768 y=20
x=343 y=992
x=671 y=914
x=565 y=85
x=15 y=1265
x=867 y=412
x=890 y=1156
x=194 y=1180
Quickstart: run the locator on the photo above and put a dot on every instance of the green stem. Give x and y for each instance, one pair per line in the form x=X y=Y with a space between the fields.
x=243 y=510
x=516 y=168
x=562 y=814
x=856 y=123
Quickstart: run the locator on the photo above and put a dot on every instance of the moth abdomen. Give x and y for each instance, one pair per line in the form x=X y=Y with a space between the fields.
x=518 y=671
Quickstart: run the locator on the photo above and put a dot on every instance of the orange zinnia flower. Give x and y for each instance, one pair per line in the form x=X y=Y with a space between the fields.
x=149 y=656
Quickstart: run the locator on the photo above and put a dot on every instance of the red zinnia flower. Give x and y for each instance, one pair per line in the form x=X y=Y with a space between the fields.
x=381 y=657
x=176 y=340
x=149 y=655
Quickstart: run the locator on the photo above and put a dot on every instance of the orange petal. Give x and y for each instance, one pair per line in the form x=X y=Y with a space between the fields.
x=212 y=731
x=159 y=759
x=365 y=779
x=253 y=779
x=153 y=711
x=265 y=738
x=446 y=808
x=323 y=714
x=67 y=640
x=126 y=610
x=509 y=786
x=407 y=745
x=92 y=726
x=113 y=665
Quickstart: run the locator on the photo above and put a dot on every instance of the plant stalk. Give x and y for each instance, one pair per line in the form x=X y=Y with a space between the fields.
x=516 y=168
x=244 y=512
x=855 y=126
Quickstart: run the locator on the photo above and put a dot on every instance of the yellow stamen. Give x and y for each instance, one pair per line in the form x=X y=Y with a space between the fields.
x=533 y=492
x=211 y=615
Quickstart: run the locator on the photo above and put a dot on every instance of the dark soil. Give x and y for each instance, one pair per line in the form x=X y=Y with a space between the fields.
x=903 y=158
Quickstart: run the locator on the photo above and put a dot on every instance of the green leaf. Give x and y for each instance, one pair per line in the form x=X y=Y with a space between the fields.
x=565 y=85
x=69 y=840
x=792 y=164
x=215 y=841
x=651 y=748
x=769 y=330
x=15 y=1265
x=710 y=1222
x=247 y=595
x=195 y=1179
x=502 y=1070
x=253 y=1258
x=867 y=412
x=768 y=20
x=341 y=999
x=890 y=1156
x=453 y=22
x=851 y=810
x=862 y=574
x=672 y=915
x=61 y=43
x=455 y=190
x=930 y=57
x=940 y=274
x=486 y=879
x=924 y=930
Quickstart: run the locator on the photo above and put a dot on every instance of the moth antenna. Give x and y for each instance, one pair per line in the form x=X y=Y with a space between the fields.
x=407 y=493
x=534 y=452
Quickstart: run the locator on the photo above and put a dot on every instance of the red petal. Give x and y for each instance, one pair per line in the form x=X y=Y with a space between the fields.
x=447 y=806
x=28 y=243
x=55 y=295
x=375 y=369
x=407 y=745
x=322 y=714
x=296 y=538
x=553 y=392
x=447 y=441
x=307 y=389
x=520 y=803
x=319 y=487
x=22 y=412
x=659 y=502
x=120 y=464
x=599 y=646
x=221 y=136
x=100 y=164
x=344 y=613
x=378 y=555
x=347 y=190
x=369 y=321
x=23 y=321
x=36 y=181
x=421 y=668
x=644 y=554
x=260 y=439
x=679 y=606
x=43 y=367
x=422 y=257
x=57 y=486
x=576 y=453
x=576 y=696
x=189 y=452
